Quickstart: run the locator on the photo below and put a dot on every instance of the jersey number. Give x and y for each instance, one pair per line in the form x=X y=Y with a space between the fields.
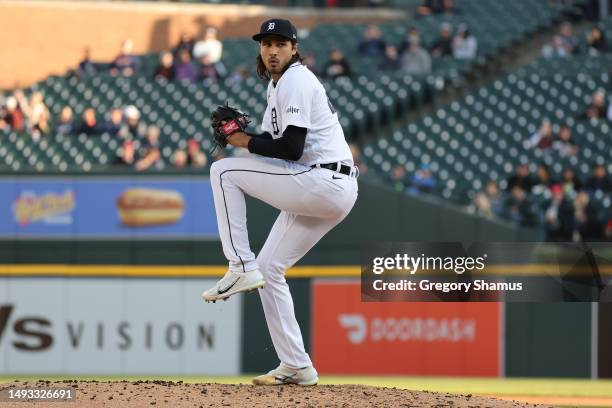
x=331 y=107
x=275 y=122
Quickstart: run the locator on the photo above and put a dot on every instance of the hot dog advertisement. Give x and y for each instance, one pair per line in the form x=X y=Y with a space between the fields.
x=96 y=207
x=140 y=207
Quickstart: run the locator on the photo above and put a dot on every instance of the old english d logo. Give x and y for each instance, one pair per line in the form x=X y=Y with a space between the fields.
x=270 y=26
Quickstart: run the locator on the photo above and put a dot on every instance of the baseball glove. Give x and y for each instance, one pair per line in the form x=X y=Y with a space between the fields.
x=225 y=121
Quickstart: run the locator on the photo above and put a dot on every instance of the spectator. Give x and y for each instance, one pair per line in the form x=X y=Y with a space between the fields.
x=412 y=35
x=311 y=62
x=65 y=126
x=437 y=7
x=127 y=155
x=132 y=128
x=238 y=76
x=210 y=72
x=337 y=66
x=125 y=63
x=543 y=138
x=86 y=67
x=184 y=69
x=151 y=155
x=423 y=181
x=443 y=45
x=555 y=49
x=210 y=46
x=114 y=124
x=596 y=41
x=487 y=203
x=179 y=159
x=391 y=61
x=398 y=178
x=519 y=209
x=152 y=159
x=38 y=115
x=429 y=7
x=195 y=156
x=363 y=168
x=559 y=216
x=465 y=45
x=186 y=42
x=568 y=41
x=416 y=60
x=588 y=221
x=599 y=181
x=543 y=180
x=598 y=109
x=372 y=43
x=520 y=179
x=151 y=140
x=565 y=145
x=165 y=69
x=11 y=115
x=571 y=185
x=89 y=124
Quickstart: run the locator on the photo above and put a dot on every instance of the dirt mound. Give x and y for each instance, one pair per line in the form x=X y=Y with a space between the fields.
x=178 y=394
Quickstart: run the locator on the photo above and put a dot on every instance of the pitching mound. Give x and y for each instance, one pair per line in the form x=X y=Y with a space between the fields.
x=179 y=394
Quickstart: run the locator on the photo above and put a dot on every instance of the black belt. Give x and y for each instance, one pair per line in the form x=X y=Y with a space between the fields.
x=342 y=169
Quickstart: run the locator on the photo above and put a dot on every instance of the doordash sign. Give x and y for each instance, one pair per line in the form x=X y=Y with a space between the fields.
x=402 y=338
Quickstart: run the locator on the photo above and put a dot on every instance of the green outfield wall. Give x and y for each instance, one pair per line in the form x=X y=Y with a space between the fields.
x=548 y=340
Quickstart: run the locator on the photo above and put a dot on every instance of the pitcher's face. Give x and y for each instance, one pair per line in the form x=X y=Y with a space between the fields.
x=276 y=52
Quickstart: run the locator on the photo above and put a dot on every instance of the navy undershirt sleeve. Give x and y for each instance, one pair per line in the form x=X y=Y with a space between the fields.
x=288 y=147
x=264 y=135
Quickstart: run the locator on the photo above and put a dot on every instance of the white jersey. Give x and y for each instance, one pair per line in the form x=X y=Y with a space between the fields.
x=299 y=99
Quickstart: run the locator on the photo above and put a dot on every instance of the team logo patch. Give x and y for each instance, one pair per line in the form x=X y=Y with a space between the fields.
x=293 y=109
x=271 y=26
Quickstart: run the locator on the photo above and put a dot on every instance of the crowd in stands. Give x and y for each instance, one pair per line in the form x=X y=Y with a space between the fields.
x=19 y=113
x=565 y=43
x=422 y=181
x=561 y=144
x=566 y=206
x=199 y=61
x=410 y=55
x=141 y=142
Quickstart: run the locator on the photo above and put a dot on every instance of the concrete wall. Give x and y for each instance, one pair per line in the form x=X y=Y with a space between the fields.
x=40 y=38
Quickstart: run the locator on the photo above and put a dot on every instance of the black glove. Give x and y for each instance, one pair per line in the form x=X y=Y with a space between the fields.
x=225 y=121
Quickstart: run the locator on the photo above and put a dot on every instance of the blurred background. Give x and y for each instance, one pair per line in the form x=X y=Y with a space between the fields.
x=470 y=120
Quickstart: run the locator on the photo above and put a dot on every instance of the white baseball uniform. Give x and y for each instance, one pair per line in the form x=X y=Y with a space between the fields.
x=312 y=200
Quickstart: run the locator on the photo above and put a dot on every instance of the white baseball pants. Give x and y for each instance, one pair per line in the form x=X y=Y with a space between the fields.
x=312 y=202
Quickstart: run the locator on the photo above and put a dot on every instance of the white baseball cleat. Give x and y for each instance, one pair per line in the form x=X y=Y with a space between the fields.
x=232 y=283
x=285 y=375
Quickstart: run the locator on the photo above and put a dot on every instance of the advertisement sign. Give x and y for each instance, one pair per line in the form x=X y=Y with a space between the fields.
x=116 y=326
x=107 y=208
x=355 y=337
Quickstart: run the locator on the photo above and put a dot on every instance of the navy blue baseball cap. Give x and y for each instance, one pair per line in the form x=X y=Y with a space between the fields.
x=277 y=26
